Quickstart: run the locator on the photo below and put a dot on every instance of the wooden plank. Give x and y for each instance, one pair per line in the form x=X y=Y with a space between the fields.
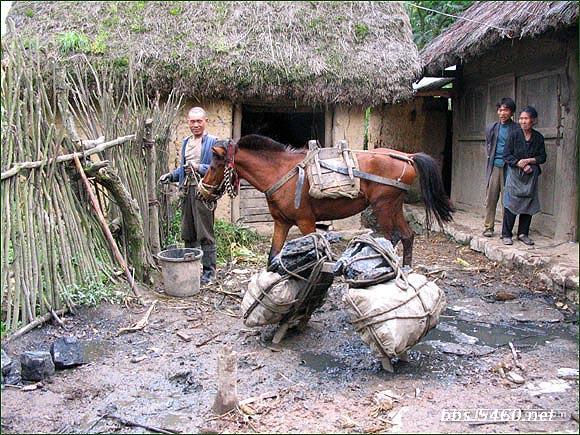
x=252 y=211
x=258 y=218
x=253 y=193
x=253 y=202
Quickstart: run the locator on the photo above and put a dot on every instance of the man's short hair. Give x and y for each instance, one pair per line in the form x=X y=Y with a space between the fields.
x=507 y=102
x=196 y=111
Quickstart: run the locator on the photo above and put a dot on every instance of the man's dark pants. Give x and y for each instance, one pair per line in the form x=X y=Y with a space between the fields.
x=197 y=229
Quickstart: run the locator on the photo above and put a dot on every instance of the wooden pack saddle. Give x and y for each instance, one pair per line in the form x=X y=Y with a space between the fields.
x=331 y=171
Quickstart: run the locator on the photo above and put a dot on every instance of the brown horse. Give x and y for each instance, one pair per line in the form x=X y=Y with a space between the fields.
x=263 y=162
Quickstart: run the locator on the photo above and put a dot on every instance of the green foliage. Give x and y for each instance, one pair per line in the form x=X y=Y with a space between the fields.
x=93 y=291
x=361 y=31
x=30 y=43
x=10 y=252
x=71 y=42
x=138 y=28
x=173 y=229
x=29 y=13
x=316 y=23
x=426 y=24
x=110 y=22
x=176 y=10
x=99 y=45
x=121 y=63
x=137 y=6
x=237 y=244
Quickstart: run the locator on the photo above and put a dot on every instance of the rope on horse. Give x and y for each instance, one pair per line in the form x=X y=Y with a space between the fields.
x=323 y=253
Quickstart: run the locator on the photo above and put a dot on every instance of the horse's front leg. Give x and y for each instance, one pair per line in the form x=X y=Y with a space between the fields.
x=278 y=238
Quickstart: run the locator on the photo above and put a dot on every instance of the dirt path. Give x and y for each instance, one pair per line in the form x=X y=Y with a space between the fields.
x=322 y=380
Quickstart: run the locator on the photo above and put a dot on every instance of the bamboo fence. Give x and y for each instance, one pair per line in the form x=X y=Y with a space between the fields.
x=51 y=239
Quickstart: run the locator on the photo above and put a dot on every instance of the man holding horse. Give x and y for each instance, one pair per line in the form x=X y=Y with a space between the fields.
x=197 y=219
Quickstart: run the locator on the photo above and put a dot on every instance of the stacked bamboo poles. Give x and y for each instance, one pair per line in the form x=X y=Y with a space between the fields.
x=113 y=105
x=51 y=240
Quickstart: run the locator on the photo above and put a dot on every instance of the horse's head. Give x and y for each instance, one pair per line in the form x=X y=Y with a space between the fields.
x=221 y=176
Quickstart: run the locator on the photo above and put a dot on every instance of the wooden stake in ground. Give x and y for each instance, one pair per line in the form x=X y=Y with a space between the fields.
x=227 y=372
x=105 y=227
x=151 y=161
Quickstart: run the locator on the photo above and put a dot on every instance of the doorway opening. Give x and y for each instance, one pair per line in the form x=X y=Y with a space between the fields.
x=290 y=126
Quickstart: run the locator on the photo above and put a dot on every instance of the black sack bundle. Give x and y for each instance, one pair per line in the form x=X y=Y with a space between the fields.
x=299 y=256
x=294 y=284
x=367 y=261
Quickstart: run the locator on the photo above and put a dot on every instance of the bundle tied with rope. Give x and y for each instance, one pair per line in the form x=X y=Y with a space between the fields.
x=293 y=286
x=391 y=312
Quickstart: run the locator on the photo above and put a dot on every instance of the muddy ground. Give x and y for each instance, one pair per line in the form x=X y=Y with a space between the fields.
x=321 y=380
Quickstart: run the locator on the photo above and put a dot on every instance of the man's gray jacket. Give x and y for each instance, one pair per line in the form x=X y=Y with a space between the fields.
x=491 y=133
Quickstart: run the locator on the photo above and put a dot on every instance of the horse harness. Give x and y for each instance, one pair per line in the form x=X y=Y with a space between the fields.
x=229 y=184
x=299 y=169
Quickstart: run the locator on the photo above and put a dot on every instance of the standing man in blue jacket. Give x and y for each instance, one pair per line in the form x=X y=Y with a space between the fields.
x=496 y=135
x=197 y=220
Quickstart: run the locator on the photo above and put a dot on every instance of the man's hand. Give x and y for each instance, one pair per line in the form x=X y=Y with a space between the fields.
x=528 y=169
x=165 y=178
x=190 y=167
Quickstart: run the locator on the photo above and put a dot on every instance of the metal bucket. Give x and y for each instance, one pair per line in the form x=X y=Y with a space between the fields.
x=181 y=270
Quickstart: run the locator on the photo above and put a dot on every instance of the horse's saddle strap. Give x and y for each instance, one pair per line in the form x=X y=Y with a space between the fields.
x=298 y=168
x=281 y=182
x=366 y=176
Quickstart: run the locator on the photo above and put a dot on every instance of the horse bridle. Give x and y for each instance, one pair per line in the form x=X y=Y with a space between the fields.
x=230 y=184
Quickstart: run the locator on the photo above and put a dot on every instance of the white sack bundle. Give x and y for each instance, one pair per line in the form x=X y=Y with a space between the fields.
x=268 y=298
x=391 y=319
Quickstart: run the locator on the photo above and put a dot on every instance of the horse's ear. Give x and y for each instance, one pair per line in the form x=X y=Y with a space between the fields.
x=220 y=151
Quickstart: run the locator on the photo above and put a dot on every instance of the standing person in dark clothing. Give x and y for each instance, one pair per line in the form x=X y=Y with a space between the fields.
x=197 y=220
x=495 y=137
x=524 y=153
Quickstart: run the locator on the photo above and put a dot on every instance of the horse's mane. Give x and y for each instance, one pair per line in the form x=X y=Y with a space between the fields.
x=255 y=142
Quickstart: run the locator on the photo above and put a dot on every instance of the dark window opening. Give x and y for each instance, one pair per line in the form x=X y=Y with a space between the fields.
x=288 y=126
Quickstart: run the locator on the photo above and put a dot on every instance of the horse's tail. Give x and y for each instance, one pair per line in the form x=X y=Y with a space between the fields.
x=434 y=197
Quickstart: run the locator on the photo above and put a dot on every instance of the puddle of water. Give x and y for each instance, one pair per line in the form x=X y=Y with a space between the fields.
x=456 y=331
x=450 y=350
x=322 y=362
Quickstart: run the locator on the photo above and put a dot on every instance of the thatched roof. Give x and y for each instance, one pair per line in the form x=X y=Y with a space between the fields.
x=465 y=40
x=311 y=52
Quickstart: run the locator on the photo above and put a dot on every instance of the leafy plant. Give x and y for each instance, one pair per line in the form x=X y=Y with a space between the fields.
x=361 y=31
x=176 y=11
x=99 y=45
x=426 y=24
x=236 y=243
x=94 y=291
x=73 y=42
x=138 y=28
x=173 y=229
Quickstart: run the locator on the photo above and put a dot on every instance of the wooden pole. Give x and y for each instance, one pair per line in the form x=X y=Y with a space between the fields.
x=237 y=133
x=64 y=158
x=227 y=372
x=105 y=227
x=151 y=162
